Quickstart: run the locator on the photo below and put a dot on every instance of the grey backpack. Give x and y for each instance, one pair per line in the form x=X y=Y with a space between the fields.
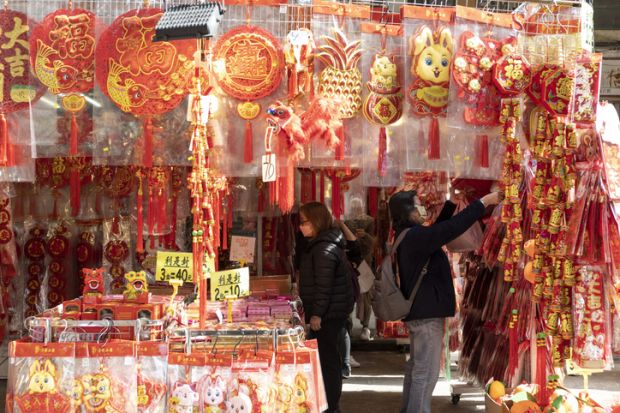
x=388 y=302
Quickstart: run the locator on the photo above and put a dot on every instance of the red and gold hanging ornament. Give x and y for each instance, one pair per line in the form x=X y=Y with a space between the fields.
x=339 y=178
x=341 y=79
x=62 y=55
x=58 y=246
x=34 y=251
x=8 y=262
x=299 y=58
x=157 y=215
x=558 y=88
x=588 y=69
x=248 y=65
x=116 y=250
x=384 y=104
x=285 y=126
x=17 y=89
x=431 y=58
x=140 y=76
x=511 y=248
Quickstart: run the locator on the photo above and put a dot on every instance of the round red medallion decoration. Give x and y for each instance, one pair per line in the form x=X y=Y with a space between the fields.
x=249 y=62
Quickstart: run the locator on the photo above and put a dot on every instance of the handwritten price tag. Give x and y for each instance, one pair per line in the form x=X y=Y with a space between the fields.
x=242 y=249
x=269 y=167
x=174 y=266
x=232 y=283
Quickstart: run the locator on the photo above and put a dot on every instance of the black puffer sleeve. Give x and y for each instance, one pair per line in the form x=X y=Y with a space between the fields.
x=325 y=262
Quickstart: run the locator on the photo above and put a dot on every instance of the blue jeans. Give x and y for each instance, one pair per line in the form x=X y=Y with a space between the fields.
x=422 y=369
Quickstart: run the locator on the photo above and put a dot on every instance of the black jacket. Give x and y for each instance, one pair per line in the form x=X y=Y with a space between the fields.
x=436 y=296
x=325 y=285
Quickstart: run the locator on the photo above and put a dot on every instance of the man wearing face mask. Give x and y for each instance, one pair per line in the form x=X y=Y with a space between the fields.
x=421 y=250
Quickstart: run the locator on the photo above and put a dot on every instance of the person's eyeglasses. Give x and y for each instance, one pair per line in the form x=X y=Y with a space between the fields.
x=302 y=222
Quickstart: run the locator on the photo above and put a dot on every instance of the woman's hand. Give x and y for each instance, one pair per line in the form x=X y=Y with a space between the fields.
x=491 y=199
x=315 y=323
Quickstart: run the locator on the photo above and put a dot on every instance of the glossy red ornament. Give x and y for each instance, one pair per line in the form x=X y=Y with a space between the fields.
x=557 y=91
x=17 y=88
x=248 y=65
x=512 y=74
x=140 y=76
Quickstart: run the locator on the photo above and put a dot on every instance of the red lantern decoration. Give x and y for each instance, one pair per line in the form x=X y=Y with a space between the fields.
x=249 y=62
x=62 y=56
x=17 y=90
x=140 y=76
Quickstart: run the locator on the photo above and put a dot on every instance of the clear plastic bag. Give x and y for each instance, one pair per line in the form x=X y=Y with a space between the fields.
x=152 y=122
x=106 y=376
x=481 y=39
x=117 y=248
x=185 y=372
x=242 y=138
x=35 y=245
x=64 y=114
x=152 y=374
x=336 y=28
x=40 y=376
x=429 y=50
x=383 y=104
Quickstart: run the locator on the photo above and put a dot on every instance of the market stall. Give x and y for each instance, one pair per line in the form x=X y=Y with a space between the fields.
x=153 y=155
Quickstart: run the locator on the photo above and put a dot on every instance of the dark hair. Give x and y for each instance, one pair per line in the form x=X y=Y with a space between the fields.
x=400 y=205
x=318 y=215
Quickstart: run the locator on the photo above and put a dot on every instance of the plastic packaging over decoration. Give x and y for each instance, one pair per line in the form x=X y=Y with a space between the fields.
x=106 y=376
x=429 y=50
x=338 y=25
x=64 y=114
x=40 y=377
x=20 y=90
x=480 y=40
x=152 y=375
x=383 y=103
x=118 y=134
x=270 y=16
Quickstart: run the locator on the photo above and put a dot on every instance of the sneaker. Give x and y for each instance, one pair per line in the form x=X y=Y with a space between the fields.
x=346 y=371
x=365 y=335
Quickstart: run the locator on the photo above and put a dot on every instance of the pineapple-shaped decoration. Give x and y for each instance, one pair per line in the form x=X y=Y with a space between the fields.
x=341 y=79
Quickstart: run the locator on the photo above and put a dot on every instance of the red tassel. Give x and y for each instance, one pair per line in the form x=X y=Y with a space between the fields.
x=433 y=139
x=140 y=217
x=147 y=156
x=322 y=187
x=75 y=187
x=341 y=145
x=73 y=137
x=218 y=214
x=230 y=211
x=293 y=83
x=373 y=201
x=162 y=212
x=336 y=197
x=150 y=220
x=483 y=150
x=4 y=141
x=172 y=237
x=541 y=369
x=314 y=185
x=248 y=151
x=306 y=183
x=225 y=226
x=513 y=340
x=382 y=152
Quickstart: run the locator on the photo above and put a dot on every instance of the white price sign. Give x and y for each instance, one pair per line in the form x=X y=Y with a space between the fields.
x=269 y=167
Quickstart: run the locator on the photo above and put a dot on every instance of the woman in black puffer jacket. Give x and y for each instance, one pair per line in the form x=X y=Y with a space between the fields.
x=326 y=289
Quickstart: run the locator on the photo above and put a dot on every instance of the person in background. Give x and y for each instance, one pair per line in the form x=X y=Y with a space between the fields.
x=363 y=226
x=326 y=290
x=422 y=247
x=354 y=255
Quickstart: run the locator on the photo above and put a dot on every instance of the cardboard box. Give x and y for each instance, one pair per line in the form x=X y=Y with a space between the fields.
x=270 y=285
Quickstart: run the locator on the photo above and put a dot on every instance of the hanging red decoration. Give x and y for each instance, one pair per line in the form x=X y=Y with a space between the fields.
x=140 y=76
x=432 y=58
x=249 y=62
x=384 y=104
x=62 y=54
x=17 y=89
